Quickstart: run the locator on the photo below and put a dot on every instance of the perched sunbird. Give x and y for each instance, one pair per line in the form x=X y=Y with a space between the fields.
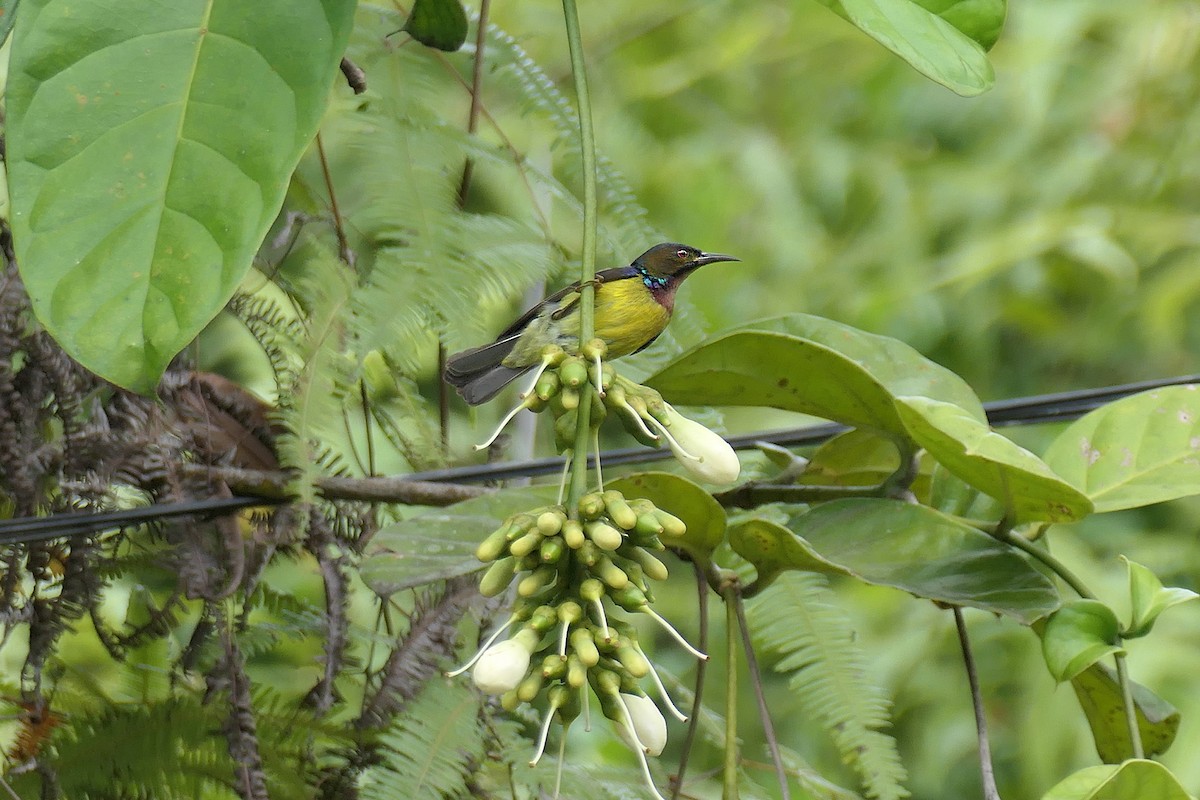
x=633 y=306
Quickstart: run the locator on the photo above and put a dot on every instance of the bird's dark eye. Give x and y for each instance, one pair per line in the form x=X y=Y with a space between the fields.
x=681 y=253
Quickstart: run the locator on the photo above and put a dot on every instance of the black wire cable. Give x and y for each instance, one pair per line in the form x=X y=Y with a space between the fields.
x=1059 y=406
x=25 y=530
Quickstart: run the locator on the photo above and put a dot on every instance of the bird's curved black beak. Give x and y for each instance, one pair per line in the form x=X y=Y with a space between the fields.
x=712 y=258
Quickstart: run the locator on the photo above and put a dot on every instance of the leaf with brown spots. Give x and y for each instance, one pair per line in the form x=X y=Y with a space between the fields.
x=1136 y=451
x=909 y=547
x=815 y=366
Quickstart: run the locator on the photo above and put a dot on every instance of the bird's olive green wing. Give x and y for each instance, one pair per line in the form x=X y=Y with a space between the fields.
x=561 y=302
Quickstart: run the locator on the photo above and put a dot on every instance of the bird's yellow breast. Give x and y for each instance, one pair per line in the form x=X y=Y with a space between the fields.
x=628 y=316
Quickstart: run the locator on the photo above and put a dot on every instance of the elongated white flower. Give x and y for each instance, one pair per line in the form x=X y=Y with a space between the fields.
x=649 y=725
x=503 y=666
x=704 y=453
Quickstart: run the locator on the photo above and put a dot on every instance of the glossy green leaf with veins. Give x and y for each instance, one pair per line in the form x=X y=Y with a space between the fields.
x=902 y=545
x=149 y=149
x=1022 y=482
x=815 y=366
x=929 y=42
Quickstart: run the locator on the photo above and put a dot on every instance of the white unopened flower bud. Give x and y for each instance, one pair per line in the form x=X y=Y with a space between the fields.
x=503 y=666
x=649 y=726
x=704 y=453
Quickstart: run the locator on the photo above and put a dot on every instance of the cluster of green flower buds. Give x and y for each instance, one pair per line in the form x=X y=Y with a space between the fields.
x=562 y=379
x=566 y=568
x=609 y=542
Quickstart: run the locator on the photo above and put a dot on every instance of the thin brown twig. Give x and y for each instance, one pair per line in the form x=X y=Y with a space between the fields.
x=344 y=251
x=443 y=401
x=518 y=159
x=990 y=792
x=367 y=426
x=356 y=79
x=476 y=90
x=764 y=714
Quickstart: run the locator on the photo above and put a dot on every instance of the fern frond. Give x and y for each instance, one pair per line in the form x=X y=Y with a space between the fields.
x=625 y=227
x=309 y=394
x=797 y=619
x=158 y=751
x=431 y=748
x=274 y=329
x=278 y=603
x=625 y=220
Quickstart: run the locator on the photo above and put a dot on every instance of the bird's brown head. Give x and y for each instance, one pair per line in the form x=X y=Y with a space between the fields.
x=671 y=260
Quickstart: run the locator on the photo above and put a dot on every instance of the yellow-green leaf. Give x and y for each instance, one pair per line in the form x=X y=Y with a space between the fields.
x=149 y=149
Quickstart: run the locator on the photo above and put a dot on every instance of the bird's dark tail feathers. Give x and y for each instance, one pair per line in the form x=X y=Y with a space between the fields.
x=478 y=374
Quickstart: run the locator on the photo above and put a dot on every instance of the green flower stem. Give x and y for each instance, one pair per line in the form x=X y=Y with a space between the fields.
x=1135 y=735
x=587 y=271
x=698 y=696
x=1006 y=535
x=729 y=593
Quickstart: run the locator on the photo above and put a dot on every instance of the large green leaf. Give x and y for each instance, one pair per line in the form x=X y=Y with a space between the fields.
x=441 y=544
x=703 y=516
x=1148 y=599
x=1028 y=488
x=1133 y=452
x=903 y=545
x=1132 y=780
x=1100 y=698
x=150 y=145
x=815 y=366
x=927 y=41
x=1078 y=635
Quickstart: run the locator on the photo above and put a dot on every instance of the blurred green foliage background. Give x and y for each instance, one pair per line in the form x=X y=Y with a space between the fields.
x=1041 y=237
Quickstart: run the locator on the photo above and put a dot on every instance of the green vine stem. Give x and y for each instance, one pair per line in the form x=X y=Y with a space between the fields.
x=587 y=270
x=729 y=593
x=1005 y=534
x=764 y=713
x=1135 y=735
